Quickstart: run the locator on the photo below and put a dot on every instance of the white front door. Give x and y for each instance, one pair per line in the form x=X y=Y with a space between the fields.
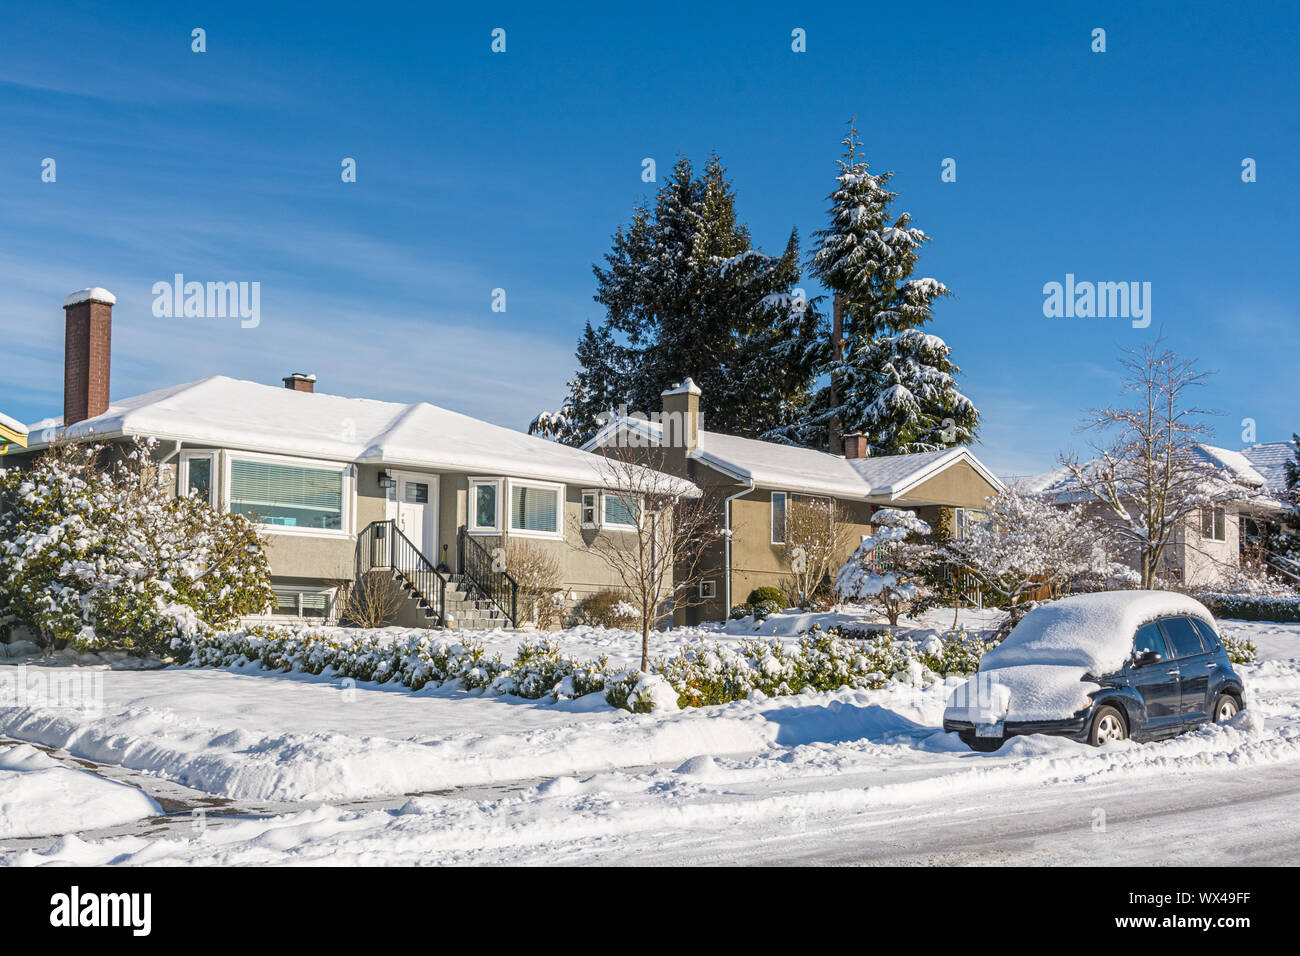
x=413 y=504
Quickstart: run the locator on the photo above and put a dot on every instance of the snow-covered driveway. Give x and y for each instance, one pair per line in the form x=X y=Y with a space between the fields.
x=848 y=777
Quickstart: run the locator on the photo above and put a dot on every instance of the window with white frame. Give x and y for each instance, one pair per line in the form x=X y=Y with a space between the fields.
x=1214 y=524
x=535 y=509
x=590 y=517
x=778 y=517
x=619 y=511
x=708 y=589
x=485 y=505
x=302 y=602
x=198 y=473
x=288 y=495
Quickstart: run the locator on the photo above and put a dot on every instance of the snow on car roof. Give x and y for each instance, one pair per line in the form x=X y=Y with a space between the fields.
x=1092 y=631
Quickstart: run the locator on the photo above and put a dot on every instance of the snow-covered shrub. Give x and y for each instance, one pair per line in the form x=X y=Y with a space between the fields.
x=1241 y=650
x=95 y=550
x=768 y=595
x=641 y=693
x=890 y=566
x=597 y=610
x=1283 y=610
x=542 y=669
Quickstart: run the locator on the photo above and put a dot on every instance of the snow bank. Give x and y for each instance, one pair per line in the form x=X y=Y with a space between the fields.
x=38 y=796
x=1091 y=631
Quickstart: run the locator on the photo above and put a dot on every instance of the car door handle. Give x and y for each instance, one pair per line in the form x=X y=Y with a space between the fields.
x=1175 y=672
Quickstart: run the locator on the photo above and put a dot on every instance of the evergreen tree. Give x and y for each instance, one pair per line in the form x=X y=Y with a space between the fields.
x=687 y=294
x=593 y=391
x=888 y=379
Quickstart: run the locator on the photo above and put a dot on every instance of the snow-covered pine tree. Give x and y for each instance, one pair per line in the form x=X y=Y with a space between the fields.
x=890 y=381
x=687 y=294
x=595 y=390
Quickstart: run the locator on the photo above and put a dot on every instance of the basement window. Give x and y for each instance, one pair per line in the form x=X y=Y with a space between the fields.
x=307 y=603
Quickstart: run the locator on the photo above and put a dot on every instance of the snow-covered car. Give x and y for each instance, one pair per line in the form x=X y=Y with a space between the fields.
x=1100 y=668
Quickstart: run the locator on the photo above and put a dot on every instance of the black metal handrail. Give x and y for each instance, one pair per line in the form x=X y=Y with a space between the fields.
x=383 y=546
x=479 y=567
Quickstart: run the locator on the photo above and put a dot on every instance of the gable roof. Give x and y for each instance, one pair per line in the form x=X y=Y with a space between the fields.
x=1061 y=486
x=796 y=469
x=249 y=416
x=1270 y=460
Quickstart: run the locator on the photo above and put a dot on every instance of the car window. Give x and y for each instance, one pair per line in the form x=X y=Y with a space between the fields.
x=1184 y=639
x=1149 y=638
x=1208 y=637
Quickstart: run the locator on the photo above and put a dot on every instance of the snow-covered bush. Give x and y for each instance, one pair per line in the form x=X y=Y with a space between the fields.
x=889 y=568
x=641 y=693
x=821 y=661
x=597 y=609
x=1283 y=610
x=542 y=669
x=1241 y=650
x=96 y=551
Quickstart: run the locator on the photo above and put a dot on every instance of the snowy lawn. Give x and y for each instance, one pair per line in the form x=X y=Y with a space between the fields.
x=611 y=783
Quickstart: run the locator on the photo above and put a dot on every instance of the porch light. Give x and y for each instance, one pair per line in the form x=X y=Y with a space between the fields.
x=386 y=481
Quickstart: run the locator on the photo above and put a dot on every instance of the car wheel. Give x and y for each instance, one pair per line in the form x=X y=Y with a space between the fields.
x=1225 y=708
x=985 y=745
x=1108 y=726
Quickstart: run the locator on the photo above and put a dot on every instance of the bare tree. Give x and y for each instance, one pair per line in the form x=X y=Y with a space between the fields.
x=671 y=527
x=373 y=600
x=815 y=538
x=540 y=581
x=1150 y=476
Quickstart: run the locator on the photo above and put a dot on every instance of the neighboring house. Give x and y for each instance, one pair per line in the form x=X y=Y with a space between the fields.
x=13 y=433
x=1209 y=544
x=342 y=485
x=1270 y=460
x=754 y=483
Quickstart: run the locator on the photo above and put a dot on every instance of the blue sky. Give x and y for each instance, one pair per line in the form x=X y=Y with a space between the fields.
x=479 y=170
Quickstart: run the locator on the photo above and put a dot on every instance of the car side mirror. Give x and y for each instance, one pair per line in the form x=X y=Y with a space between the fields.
x=1147 y=658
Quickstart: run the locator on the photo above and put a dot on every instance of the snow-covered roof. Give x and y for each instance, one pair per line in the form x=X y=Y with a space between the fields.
x=231 y=413
x=1061 y=486
x=806 y=470
x=1270 y=460
x=1091 y=631
x=93 y=294
x=15 y=426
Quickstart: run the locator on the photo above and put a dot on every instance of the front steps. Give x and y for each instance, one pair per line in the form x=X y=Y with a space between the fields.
x=464 y=612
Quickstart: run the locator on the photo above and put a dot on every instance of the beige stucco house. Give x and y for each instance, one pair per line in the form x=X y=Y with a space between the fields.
x=342 y=485
x=1208 y=544
x=756 y=482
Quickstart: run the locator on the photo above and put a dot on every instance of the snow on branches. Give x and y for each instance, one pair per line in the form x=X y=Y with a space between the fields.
x=888 y=570
x=95 y=550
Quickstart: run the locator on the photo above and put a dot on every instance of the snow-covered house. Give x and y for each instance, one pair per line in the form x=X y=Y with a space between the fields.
x=757 y=483
x=1208 y=545
x=342 y=485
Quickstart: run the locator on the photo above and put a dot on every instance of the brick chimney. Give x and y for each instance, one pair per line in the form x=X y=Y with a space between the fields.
x=87 y=347
x=300 y=382
x=855 y=445
x=681 y=417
